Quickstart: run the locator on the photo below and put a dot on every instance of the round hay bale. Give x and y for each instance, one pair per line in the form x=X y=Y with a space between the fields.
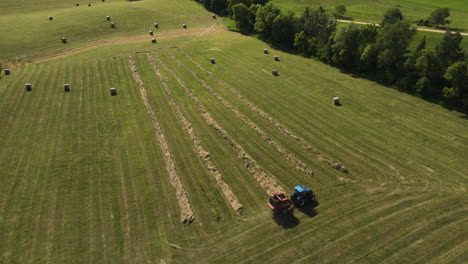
x=66 y=87
x=156 y=25
x=212 y=60
x=112 y=25
x=184 y=25
x=77 y=4
x=274 y=72
x=265 y=51
x=28 y=87
x=51 y=18
x=153 y=40
x=151 y=32
x=103 y=1
x=64 y=40
x=113 y=91
x=89 y=5
x=213 y=16
x=276 y=58
x=7 y=71
x=108 y=18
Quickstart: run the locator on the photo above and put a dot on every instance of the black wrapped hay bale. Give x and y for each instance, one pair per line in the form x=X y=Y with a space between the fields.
x=64 y=40
x=153 y=40
x=151 y=32
x=276 y=58
x=51 y=18
x=28 y=87
x=274 y=72
x=213 y=16
x=77 y=4
x=336 y=101
x=7 y=71
x=89 y=4
x=112 y=25
x=265 y=51
x=156 y=25
x=212 y=60
x=184 y=25
x=108 y=18
x=66 y=87
x=113 y=91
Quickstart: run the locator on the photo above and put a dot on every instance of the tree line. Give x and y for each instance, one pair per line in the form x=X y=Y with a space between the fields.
x=378 y=52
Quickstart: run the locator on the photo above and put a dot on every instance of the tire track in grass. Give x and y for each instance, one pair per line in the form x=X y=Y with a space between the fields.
x=334 y=164
x=298 y=164
x=267 y=181
x=202 y=152
x=187 y=216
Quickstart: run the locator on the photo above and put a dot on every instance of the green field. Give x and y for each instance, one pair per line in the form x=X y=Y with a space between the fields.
x=372 y=11
x=91 y=178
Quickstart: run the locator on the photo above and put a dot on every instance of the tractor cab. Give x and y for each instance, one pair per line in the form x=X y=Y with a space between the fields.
x=301 y=194
x=279 y=203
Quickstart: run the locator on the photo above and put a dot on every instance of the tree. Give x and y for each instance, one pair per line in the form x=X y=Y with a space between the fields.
x=429 y=74
x=217 y=5
x=283 y=29
x=392 y=42
x=457 y=77
x=438 y=17
x=231 y=3
x=264 y=19
x=339 y=12
x=300 y=42
x=241 y=15
x=391 y=16
x=346 y=47
x=449 y=50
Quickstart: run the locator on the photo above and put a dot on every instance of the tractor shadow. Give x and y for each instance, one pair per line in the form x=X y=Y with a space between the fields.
x=309 y=208
x=287 y=220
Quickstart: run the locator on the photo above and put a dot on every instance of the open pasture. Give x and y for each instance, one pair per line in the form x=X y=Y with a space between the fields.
x=93 y=178
x=27 y=33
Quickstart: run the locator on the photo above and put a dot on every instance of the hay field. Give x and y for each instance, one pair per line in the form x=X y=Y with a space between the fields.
x=91 y=178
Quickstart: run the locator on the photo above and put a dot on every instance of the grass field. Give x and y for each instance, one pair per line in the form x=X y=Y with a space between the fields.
x=372 y=11
x=91 y=178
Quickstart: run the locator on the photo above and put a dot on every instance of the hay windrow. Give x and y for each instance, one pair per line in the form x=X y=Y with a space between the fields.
x=186 y=213
x=267 y=181
x=297 y=163
x=334 y=164
x=202 y=153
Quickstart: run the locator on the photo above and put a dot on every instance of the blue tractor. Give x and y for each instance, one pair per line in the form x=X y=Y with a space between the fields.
x=301 y=194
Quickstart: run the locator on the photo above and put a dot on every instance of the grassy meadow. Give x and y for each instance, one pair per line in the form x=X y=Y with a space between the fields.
x=84 y=176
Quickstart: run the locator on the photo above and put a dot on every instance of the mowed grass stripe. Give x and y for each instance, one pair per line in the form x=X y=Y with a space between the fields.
x=202 y=153
x=264 y=154
x=233 y=170
x=299 y=164
x=267 y=181
x=208 y=200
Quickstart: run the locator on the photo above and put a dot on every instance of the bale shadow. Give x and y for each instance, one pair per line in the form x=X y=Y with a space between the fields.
x=309 y=208
x=286 y=220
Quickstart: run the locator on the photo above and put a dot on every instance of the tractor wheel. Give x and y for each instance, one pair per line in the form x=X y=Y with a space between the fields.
x=301 y=203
